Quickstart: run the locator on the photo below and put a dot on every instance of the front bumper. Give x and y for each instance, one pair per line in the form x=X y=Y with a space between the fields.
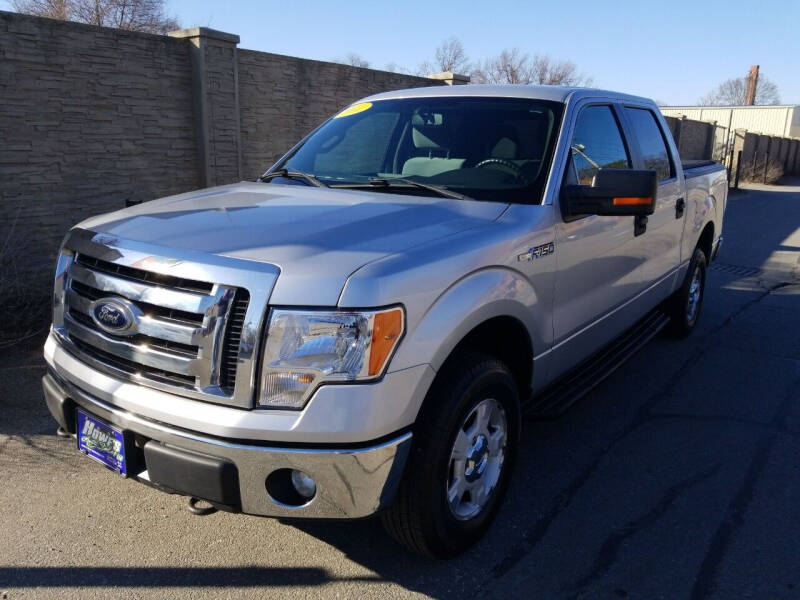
x=351 y=482
x=342 y=414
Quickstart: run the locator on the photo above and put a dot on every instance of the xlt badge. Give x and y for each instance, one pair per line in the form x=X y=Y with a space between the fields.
x=537 y=252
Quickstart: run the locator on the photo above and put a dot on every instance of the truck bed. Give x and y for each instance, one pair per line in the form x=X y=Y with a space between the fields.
x=695 y=168
x=706 y=186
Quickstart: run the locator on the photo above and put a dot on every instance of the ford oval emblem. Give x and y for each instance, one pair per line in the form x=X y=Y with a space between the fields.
x=113 y=315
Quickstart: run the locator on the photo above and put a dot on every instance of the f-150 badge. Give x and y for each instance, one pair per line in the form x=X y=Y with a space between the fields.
x=537 y=252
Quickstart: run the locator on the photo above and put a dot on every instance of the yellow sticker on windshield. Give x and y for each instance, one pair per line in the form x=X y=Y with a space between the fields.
x=354 y=110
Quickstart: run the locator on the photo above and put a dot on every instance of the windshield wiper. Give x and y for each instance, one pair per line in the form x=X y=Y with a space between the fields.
x=380 y=182
x=293 y=175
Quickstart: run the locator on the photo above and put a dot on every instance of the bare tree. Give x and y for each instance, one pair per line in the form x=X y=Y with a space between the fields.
x=548 y=71
x=515 y=66
x=450 y=56
x=510 y=66
x=52 y=9
x=393 y=67
x=733 y=92
x=354 y=60
x=424 y=69
x=135 y=15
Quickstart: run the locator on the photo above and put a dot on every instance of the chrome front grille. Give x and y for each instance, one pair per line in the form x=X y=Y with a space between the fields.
x=143 y=275
x=132 y=368
x=186 y=336
x=233 y=339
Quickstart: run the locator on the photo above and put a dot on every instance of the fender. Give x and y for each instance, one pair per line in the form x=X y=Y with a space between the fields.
x=468 y=302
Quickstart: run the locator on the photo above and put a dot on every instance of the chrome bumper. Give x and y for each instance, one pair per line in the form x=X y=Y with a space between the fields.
x=351 y=482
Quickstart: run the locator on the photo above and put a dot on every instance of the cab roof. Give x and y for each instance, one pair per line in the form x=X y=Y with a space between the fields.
x=538 y=92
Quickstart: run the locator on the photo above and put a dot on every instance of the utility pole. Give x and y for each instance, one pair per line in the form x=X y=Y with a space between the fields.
x=752 y=83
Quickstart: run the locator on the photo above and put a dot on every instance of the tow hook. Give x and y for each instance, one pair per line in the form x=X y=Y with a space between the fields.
x=200 y=511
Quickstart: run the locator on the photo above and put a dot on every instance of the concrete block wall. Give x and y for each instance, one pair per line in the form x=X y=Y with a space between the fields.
x=92 y=117
x=794 y=157
x=695 y=139
x=673 y=124
x=761 y=151
x=216 y=103
x=89 y=118
x=283 y=98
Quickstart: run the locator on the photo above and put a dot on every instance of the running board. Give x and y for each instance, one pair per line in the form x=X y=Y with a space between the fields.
x=554 y=400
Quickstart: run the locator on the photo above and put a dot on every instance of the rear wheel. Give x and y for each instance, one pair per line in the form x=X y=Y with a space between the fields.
x=685 y=304
x=464 y=447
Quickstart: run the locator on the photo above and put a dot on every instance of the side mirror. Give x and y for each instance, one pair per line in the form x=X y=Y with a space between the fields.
x=614 y=192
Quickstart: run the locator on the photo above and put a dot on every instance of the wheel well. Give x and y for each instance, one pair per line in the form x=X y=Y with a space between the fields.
x=706 y=240
x=506 y=339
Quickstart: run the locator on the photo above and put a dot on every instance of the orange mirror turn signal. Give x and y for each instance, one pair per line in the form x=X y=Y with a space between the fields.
x=632 y=201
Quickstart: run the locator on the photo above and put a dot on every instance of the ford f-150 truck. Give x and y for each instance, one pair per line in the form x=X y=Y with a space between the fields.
x=359 y=331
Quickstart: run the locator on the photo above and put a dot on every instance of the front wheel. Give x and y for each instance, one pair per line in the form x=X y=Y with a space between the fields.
x=685 y=304
x=465 y=444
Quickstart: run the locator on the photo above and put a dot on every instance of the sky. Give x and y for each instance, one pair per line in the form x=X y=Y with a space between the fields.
x=673 y=51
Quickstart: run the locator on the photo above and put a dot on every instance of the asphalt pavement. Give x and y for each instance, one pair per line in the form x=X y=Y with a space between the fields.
x=678 y=477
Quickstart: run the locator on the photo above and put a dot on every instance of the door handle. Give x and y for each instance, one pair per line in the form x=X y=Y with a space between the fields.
x=680 y=206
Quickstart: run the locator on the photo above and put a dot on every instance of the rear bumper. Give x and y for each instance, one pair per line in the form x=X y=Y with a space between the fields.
x=350 y=482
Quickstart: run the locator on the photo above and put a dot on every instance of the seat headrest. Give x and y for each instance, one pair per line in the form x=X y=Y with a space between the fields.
x=430 y=136
x=505 y=148
x=430 y=132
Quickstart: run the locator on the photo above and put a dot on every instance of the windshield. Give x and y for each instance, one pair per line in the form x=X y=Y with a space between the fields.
x=485 y=148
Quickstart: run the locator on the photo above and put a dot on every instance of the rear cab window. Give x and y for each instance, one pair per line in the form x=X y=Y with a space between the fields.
x=650 y=140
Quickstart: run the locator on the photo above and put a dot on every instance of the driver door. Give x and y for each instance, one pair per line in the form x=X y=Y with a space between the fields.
x=601 y=264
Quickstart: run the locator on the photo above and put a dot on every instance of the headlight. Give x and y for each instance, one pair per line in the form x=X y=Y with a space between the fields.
x=307 y=348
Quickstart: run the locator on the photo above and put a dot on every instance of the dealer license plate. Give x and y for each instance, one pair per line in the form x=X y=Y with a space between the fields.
x=102 y=442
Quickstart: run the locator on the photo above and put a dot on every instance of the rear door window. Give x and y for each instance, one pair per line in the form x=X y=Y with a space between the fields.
x=651 y=141
x=597 y=144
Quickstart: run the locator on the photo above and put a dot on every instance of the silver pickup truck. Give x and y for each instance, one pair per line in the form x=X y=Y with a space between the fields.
x=360 y=330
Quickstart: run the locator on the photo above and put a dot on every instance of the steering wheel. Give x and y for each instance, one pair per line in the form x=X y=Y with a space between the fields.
x=515 y=170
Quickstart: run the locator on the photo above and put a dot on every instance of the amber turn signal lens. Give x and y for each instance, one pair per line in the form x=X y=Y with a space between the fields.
x=386 y=331
x=632 y=201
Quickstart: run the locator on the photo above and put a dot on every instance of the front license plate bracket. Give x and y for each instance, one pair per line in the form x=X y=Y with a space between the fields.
x=102 y=442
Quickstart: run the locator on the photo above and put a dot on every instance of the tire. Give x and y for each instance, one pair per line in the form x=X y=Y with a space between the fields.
x=685 y=304
x=471 y=390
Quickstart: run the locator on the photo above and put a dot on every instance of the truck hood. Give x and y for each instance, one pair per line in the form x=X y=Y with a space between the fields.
x=317 y=237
